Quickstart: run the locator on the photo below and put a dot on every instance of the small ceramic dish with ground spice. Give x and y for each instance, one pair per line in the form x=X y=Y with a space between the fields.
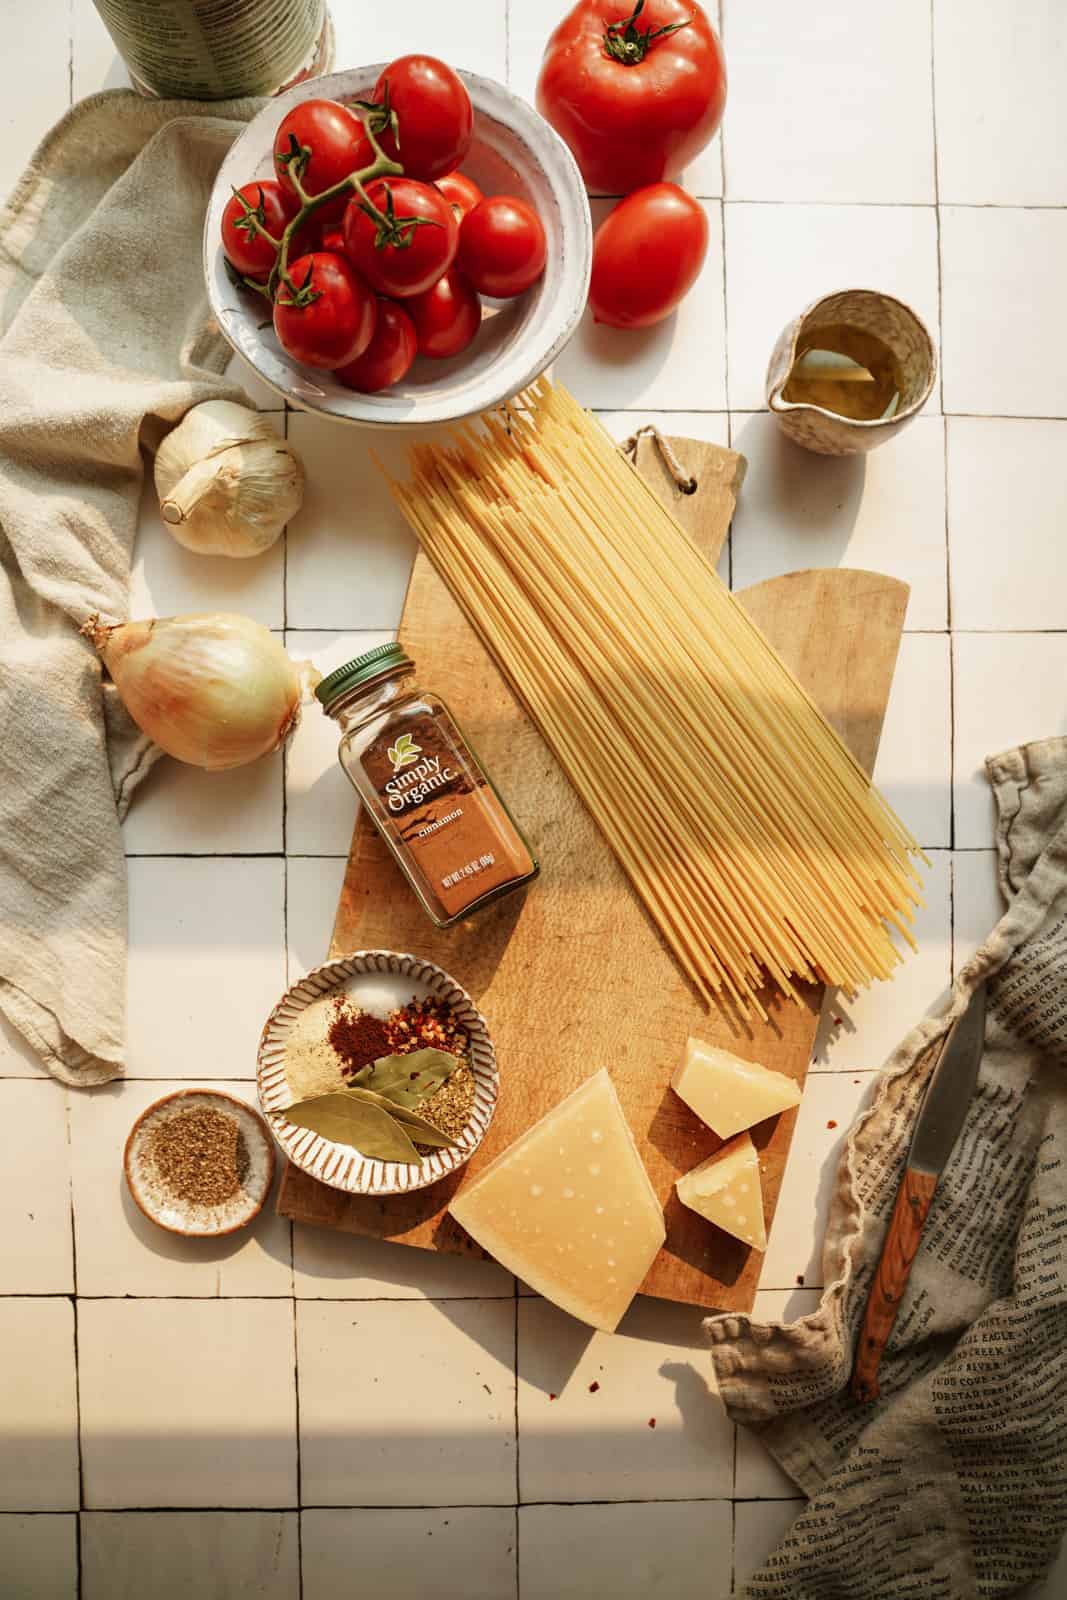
x=199 y=1162
x=333 y=1054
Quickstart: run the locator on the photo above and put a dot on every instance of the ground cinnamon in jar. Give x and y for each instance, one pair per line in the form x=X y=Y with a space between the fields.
x=426 y=791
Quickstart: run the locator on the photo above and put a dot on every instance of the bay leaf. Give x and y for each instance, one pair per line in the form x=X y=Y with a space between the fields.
x=352 y=1120
x=410 y=1079
x=417 y=1127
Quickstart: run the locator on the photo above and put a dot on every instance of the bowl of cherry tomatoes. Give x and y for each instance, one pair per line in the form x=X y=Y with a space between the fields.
x=444 y=282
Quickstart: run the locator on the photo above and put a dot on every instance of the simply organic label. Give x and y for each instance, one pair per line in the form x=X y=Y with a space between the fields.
x=416 y=783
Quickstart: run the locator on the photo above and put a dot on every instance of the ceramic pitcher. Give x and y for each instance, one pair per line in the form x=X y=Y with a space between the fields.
x=862 y=319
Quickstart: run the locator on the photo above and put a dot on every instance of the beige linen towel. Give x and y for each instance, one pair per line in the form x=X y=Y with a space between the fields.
x=954 y=1484
x=105 y=342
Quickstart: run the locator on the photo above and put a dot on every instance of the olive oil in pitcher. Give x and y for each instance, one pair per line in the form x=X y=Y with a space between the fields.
x=847 y=370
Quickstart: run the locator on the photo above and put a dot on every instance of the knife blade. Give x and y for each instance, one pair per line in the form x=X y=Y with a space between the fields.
x=937 y=1127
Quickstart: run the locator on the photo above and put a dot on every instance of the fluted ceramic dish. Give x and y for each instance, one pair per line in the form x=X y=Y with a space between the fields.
x=514 y=152
x=158 y=1201
x=378 y=981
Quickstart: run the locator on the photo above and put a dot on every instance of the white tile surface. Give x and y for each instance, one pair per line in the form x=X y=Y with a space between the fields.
x=884 y=512
x=677 y=1550
x=1001 y=123
x=187 y=1403
x=407 y=1404
x=36 y=83
x=863 y=1032
x=313 y=888
x=35 y=1189
x=598 y=1444
x=349 y=549
x=39 y=1557
x=830 y=104
x=1007 y=499
x=190 y=922
x=680 y=362
x=914 y=765
x=977 y=903
x=179 y=1555
x=120 y=1252
x=168 y=580
x=1004 y=341
x=321 y=804
x=181 y=809
x=794 y=1248
x=759 y=1528
x=474 y=39
x=39 y=1434
x=458 y=1553
x=530 y=22
x=1009 y=689
x=780 y=258
x=343 y=1266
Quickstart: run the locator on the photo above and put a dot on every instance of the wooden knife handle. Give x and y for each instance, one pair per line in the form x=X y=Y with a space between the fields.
x=902 y=1240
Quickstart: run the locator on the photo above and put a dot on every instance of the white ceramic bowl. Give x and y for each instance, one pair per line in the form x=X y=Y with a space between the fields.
x=170 y=1211
x=514 y=152
x=379 y=981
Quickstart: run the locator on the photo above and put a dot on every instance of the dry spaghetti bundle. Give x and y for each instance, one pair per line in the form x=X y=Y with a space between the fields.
x=749 y=830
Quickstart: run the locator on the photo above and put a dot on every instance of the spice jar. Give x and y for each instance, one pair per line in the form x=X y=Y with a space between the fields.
x=428 y=794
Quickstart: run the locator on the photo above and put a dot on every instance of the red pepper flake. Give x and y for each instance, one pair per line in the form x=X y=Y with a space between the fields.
x=593 y=1387
x=831 y=1123
x=425 y=1024
x=652 y=1422
x=551 y=1397
x=839 y=1022
x=800 y=1278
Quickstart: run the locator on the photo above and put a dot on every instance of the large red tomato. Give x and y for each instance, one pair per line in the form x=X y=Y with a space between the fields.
x=635 y=96
x=647 y=254
x=433 y=114
x=413 y=243
x=321 y=142
x=388 y=356
x=331 y=319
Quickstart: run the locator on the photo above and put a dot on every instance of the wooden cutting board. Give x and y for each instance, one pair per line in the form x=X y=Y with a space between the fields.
x=576 y=977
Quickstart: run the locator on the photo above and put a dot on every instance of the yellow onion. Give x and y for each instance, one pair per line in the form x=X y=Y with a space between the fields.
x=214 y=689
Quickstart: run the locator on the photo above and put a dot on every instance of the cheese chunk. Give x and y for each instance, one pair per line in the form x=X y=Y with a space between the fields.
x=730 y=1094
x=726 y=1189
x=569 y=1208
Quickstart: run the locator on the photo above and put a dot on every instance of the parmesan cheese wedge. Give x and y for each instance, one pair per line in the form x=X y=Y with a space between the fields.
x=569 y=1208
x=730 y=1094
x=726 y=1189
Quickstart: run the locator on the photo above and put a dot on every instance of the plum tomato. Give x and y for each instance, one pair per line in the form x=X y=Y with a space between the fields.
x=331 y=318
x=460 y=192
x=411 y=245
x=647 y=254
x=447 y=316
x=502 y=246
x=636 y=97
x=254 y=206
x=322 y=142
x=388 y=356
x=433 y=112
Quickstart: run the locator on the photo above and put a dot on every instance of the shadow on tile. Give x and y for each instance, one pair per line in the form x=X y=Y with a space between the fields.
x=176 y=1247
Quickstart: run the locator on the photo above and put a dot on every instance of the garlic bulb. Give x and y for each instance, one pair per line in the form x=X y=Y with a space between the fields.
x=227 y=484
x=216 y=690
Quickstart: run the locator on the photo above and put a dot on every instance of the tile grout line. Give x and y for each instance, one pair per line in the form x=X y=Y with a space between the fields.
x=74 y=1309
x=937 y=218
x=296 y=1425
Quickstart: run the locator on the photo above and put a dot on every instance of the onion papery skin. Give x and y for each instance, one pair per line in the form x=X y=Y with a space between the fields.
x=216 y=690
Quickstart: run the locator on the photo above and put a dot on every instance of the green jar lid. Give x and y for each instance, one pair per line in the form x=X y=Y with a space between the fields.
x=383 y=658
